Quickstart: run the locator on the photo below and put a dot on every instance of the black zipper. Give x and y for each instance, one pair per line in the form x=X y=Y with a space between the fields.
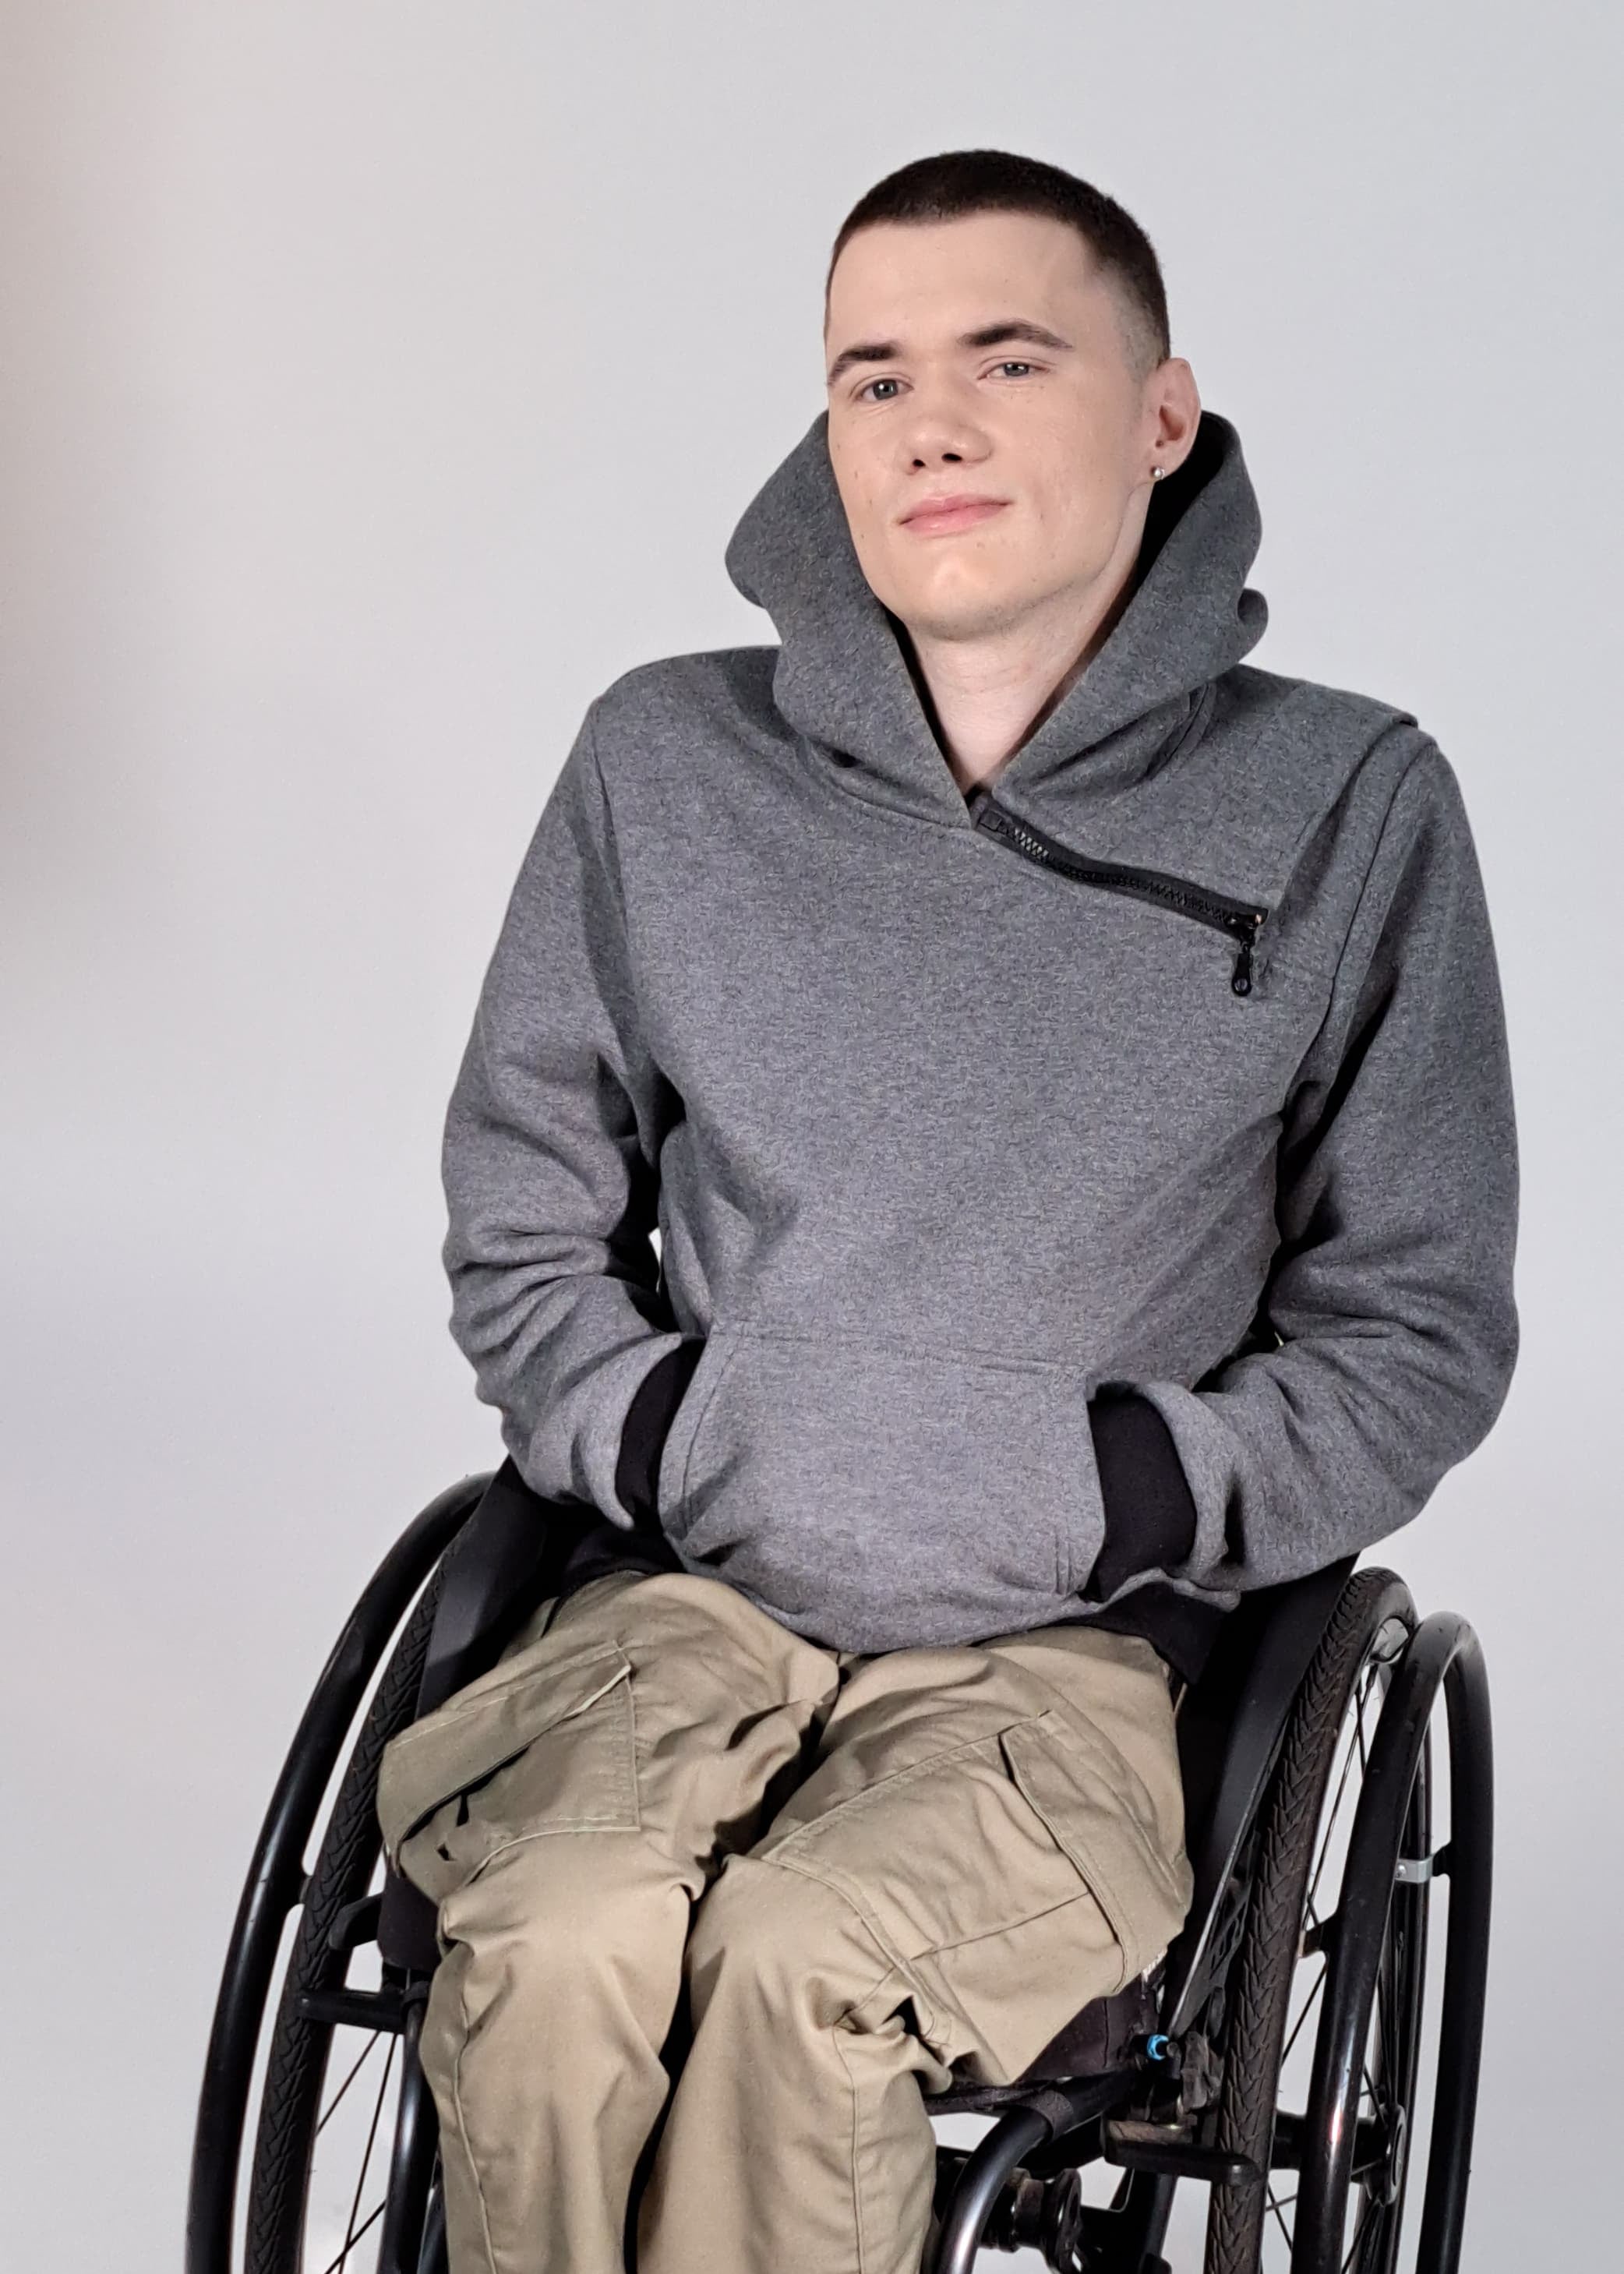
x=1239 y=918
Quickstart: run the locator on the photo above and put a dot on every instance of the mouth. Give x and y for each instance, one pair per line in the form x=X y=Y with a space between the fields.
x=949 y=514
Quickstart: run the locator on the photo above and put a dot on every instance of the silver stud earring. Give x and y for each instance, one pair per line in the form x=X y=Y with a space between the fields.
x=1156 y=473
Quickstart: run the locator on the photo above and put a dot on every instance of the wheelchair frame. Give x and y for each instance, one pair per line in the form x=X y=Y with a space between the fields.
x=1152 y=2097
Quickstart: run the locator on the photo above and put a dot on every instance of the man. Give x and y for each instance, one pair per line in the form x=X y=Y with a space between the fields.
x=1065 y=1068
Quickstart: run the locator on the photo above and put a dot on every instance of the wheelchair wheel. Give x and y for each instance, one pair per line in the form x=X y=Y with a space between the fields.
x=324 y=2146
x=343 y=2158
x=1336 y=1933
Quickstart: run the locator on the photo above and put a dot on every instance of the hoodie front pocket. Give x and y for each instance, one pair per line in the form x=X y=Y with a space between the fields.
x=877 y=1494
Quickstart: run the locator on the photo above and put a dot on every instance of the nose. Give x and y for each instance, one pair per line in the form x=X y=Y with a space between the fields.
x=939 y=439
x=941 y=428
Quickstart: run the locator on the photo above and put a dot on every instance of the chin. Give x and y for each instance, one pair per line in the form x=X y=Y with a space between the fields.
x=967 y=613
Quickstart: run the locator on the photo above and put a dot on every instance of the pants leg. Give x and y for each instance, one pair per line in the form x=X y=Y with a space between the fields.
x=566 y=1812
x=987 y=1838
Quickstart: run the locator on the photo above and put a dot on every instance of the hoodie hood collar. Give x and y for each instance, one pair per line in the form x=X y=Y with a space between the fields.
x=842 y=678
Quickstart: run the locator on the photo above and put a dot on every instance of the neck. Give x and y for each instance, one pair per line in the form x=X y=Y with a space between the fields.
x=985 y=696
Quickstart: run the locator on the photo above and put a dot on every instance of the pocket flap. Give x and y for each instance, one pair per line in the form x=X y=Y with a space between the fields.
x=482 y=1728
x=1092 y=1806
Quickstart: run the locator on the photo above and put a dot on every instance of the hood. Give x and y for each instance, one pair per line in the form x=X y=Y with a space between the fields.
x=843 y=678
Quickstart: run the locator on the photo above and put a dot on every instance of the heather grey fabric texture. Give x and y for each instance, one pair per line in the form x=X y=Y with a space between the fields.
x=941 y=1140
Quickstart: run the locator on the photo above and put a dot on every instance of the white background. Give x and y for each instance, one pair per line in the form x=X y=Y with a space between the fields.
x=380 y=381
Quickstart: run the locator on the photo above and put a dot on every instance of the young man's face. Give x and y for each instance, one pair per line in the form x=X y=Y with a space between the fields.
x=1062 y=435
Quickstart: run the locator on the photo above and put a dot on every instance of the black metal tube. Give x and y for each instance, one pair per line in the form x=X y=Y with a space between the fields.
x=275 y=1875
x=1368 y=1878
x=1466 y=1963
x=987 y=2167
x=411 y=2161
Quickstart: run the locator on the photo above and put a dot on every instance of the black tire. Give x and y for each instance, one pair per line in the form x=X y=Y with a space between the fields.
x=290 y=2114
x=1368 y=1630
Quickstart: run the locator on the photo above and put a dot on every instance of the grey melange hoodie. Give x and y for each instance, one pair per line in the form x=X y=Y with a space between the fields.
x=1092 y=1197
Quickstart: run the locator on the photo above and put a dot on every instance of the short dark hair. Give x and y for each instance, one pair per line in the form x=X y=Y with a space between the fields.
x=958 y=181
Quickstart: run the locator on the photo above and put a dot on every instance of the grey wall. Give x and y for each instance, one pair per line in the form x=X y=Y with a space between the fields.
x=380 y=382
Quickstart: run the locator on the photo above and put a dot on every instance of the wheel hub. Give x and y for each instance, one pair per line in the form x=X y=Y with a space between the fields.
x=1390 y=2179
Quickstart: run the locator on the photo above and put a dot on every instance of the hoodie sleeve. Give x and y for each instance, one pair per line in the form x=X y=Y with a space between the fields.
x=1389 y=1317
x=549 y=1164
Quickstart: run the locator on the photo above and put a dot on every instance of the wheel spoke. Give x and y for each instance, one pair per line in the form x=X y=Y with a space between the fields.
x=352 y=2236
x=1325 y=1843
x=1308 y=2007
x=1355 y=1743
x=1354 y=2247
x=1279 y=2217
x=366 y=2053
x=351 y=2241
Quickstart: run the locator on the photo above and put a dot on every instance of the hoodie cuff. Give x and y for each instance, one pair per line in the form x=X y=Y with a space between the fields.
x=642 y=1438
x=1150 y=1511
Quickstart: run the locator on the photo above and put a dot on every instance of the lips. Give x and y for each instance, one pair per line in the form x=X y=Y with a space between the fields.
x=953 y=513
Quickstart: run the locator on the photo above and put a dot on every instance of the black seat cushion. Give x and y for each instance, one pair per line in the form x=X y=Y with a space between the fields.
x=1093 y=2043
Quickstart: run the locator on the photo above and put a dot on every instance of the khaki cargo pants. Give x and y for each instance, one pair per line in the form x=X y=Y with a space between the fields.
x=669 y=1838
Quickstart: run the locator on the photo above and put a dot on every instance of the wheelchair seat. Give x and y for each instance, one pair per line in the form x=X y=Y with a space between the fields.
x=1179 y=2075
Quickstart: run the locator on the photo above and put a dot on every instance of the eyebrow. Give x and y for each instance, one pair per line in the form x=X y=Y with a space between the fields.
x=988 y=335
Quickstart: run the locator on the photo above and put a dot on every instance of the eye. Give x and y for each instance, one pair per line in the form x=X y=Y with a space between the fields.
x=1008 y=363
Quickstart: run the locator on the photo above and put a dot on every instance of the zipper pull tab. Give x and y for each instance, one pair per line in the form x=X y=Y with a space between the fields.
x=1241 y=978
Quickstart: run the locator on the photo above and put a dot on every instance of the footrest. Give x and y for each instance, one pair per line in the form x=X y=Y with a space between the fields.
x=1173 y=2147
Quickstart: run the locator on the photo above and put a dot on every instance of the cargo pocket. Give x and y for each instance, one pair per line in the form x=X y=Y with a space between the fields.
x=994 y=1927
x=1002 y=1995
x=541 y=1745
x=1094 y=1804
x=880 y=1495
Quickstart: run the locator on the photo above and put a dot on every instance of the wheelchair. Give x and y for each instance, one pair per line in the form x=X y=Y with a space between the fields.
x=1307 y=1759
